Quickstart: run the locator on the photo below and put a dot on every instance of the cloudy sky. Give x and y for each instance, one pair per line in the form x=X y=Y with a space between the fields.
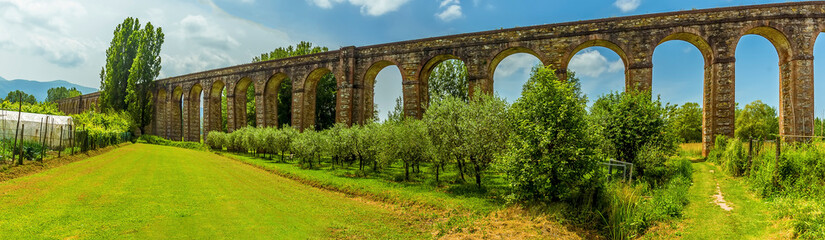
x=66 y=39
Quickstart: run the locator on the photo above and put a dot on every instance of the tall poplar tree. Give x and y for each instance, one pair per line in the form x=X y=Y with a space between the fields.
x=132 y=63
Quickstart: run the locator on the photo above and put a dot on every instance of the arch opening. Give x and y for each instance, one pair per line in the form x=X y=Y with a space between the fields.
x=177 y=114
x=819 y=91
x=511 y=69
x=380 y=105
x=445 y=75
x=680 y=65
x=757 y=86
x=320 y=95
x=244 y=104
x=278 y=101
x=599 y=66
x=194 y=133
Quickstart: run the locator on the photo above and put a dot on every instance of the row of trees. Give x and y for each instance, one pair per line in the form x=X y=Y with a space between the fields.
x=546 y=142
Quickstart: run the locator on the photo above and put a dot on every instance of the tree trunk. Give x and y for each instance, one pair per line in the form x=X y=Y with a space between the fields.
x=406 y=171
x=478 y=174
x=436 y=175
x=375 y=165
x=461 y=168
x=360 y=162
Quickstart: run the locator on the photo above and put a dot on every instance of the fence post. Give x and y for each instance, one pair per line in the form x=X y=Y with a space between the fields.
x=20 y=156
x=60 y=142
x=41 y=136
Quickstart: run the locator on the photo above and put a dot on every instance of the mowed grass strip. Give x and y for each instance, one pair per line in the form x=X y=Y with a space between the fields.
x=148 y=191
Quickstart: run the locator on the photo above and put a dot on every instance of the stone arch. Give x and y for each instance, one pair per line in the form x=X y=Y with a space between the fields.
x=310 y=90
x=694 y=38
x=216 y=113
x=369 y=85
x=778 y=38
x=596 y=42
x=424 y=78
x=273 y=85
x=239 y=102
x=501 y=55
x=160 y=113
x=193 y=132
x=176 y=120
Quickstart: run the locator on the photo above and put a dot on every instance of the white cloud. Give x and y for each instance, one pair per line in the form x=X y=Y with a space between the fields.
x=591 y=63
x=521 y=63
x=368 y=7
x=38 y=35
x=197 y=29
x=452 y=10
x=627 y=5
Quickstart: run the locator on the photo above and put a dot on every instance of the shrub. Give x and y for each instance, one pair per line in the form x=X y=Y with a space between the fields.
x=216 y=140
x=719 y=147
x=631 y=120
x=734 y=159
x=152 y=139
x=550 y=155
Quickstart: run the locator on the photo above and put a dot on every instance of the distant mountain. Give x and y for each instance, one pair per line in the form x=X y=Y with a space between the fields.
x=38 y=89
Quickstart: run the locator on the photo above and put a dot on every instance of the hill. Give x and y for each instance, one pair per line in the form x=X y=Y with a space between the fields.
x=36 y=88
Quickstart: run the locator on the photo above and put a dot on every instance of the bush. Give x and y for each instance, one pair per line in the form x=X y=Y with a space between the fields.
x=216 y=140
x=551 y=155
x=630 y=120
x=719 y=147
x=734 y=159
x=152 y=139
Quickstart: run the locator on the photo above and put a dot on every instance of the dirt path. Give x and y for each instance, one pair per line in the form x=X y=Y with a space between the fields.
x=721 y=207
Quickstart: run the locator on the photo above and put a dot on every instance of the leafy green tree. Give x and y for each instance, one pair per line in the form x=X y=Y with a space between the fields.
x=17 y=95
x=283 y=140
x=57 y=93
x=758 y=121
x=145 y=68
x=442 y=121
x=397 y=114
x=285 y=90
x=686 y=122
x=550 y=150
x=629 y=120
x=486 y=128
x=365 y=144
x=405 y=141
x=132 y=63
x=449 y=78
x=325 y=102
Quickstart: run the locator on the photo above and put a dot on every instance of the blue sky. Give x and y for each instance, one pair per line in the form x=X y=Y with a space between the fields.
x=66 y=39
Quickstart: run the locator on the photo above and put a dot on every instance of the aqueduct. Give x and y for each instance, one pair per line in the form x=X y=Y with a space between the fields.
x=791 y=27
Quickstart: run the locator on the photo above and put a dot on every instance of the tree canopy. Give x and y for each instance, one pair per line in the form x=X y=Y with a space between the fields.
x=449 y=78
x=132 y=63
x=57 y=93
x=17 y=95
x=758 y=121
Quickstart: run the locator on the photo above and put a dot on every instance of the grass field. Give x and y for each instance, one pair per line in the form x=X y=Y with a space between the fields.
x=148 y=191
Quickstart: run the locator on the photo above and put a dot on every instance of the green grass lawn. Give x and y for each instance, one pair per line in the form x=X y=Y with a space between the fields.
x=148 y=191
x=703 y=219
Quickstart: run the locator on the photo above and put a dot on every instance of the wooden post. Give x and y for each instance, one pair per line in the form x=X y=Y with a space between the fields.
x=17 y=130
x=60 y=142
x=20 y=154
x=41 y=136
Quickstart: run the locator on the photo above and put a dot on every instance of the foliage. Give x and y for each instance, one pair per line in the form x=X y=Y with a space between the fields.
x=628 y=122
x=551 y=155
x=686 y=122
x=57 y=93
x=720 y=144
x=132 y=64
x=758 y=121
x=325 y=98
x=405 y=141
x=104 y=122
x=251 y=118
x=307 y=147
x=17 y=95
x=442 y=120
x=734 y=159
x=152 y=139
x=42 y=108
x=449 y=78
x=216 y=140
x=397 y=114
x=132 y=51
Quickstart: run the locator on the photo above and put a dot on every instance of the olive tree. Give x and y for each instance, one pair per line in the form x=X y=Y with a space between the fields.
x=485 y=128
x=405 y=141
